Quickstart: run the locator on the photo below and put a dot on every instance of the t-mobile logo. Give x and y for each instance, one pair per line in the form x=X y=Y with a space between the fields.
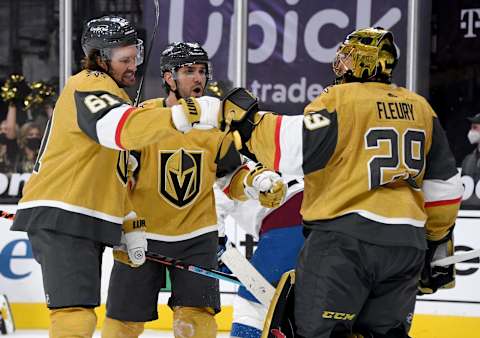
x=469 y=20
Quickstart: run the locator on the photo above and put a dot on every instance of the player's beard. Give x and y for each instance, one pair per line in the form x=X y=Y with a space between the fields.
x=127 y=79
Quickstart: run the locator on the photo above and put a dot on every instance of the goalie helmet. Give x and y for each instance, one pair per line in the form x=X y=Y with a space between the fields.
x=108 y=32
x=180 y=54
x=367 y=54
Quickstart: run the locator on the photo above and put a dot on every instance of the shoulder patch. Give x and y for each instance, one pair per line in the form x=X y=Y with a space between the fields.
x=92 y=107
x=315 y=120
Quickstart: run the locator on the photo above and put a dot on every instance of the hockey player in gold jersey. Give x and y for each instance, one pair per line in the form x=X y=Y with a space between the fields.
x=174 y=192
x=381 y=189
x=74 y=203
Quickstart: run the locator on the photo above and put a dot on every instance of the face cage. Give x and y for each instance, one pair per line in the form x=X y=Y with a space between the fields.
x=208 y=65
x=349 y=56
x=342 y=63
x=106 y=53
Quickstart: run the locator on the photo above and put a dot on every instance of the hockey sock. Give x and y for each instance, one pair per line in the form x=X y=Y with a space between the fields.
x=113 y=328
x=194 y=322
x=69 y=322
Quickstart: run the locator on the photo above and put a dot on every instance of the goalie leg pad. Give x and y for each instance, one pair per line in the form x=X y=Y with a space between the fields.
x=244 y=331
x=72 y=322
x=194 y=322
x=248 y=318
x=113 y=328
x=280 y=316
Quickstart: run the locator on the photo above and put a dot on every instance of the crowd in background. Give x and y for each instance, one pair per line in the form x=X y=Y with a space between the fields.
x=25 y=110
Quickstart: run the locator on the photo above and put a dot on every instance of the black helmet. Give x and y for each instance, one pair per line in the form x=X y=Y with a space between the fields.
x=179 y=54
x=109 y=32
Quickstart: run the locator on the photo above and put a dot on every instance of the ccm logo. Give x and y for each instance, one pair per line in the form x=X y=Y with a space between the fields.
x=338 y=315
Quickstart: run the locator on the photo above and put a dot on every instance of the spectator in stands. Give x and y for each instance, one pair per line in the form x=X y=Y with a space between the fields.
x=29 y=144
x=471 y=162
x=8 y=143
x=471 y=165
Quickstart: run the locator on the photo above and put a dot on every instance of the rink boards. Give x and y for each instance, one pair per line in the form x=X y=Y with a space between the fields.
x=448 y=313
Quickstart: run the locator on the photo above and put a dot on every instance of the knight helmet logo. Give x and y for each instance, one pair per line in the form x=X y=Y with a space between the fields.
x=180 y=176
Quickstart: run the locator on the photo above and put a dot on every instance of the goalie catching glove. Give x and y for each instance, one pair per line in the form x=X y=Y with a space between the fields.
x=265 y=185
x=198 y=113
x=133 y=243
x=438 y=277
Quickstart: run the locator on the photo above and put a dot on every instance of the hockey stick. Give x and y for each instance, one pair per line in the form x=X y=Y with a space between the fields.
x=7 y=215
x=456 y=258
x=147 y=58
x=177 y=263
x=248 y=275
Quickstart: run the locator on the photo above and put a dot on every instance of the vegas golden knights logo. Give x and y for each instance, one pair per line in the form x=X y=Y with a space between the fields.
x=180 y=176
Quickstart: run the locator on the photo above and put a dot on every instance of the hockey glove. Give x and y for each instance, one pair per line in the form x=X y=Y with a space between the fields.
x=240 y=115
x=133 y=243
x=198 y=113
x=265 y=185
x=434 y=278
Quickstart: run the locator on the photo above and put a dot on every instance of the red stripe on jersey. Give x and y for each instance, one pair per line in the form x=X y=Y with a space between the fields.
x=446 y=202
x=278 y=153
x=120 y=125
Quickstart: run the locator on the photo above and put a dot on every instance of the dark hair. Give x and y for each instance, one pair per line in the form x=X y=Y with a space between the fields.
x=179 y=54
x=90 y=61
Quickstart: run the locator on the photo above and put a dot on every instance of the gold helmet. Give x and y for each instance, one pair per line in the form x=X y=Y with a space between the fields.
x=367 y=54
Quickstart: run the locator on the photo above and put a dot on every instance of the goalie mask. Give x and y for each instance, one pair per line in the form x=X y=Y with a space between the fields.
x=109 y=32
x=183 y=54
x=367 y=54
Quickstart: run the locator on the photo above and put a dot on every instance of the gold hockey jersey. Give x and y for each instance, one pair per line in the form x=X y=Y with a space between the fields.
x=376 y=161
x=78 y=185
x=174 y=186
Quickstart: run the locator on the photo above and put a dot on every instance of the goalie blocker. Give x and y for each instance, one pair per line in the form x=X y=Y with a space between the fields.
x=7 y=325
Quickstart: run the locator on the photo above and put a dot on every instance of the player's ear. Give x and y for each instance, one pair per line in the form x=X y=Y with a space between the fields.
x=168 y=77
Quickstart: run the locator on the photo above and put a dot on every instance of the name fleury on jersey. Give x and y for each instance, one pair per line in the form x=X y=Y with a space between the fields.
x=395 y=110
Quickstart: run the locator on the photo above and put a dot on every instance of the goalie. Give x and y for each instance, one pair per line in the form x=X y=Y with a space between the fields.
x=381 y=185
